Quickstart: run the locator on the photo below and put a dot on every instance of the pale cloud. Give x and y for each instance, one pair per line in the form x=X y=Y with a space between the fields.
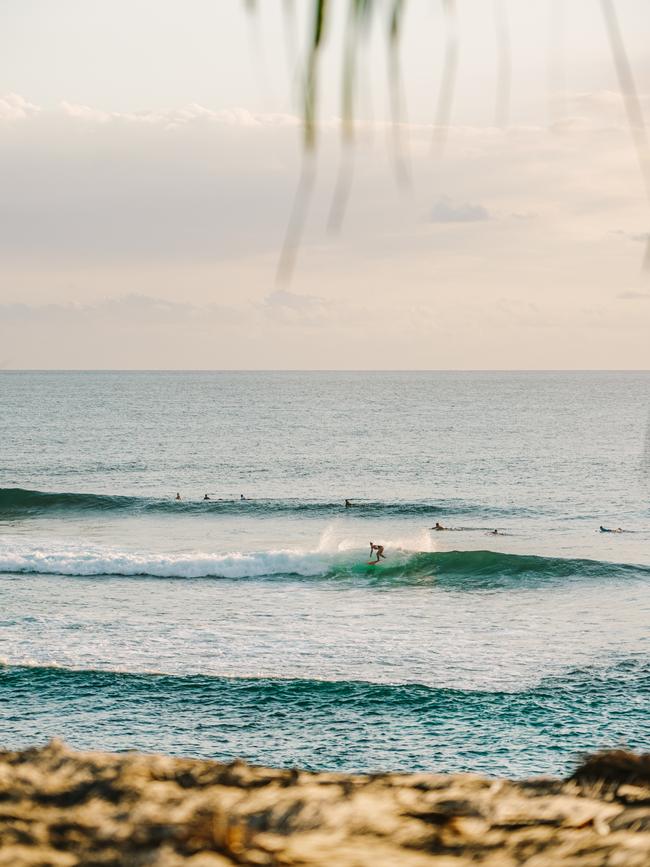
x=294 y=308
x=84 y=112
x=182 y=185
x=446 y=211
x=151 y=239
x=293 y=301
x=632 y=295
x=193 y=113
x=132 y=308
x=604 y=105
x=636 y=237
x=15 y=107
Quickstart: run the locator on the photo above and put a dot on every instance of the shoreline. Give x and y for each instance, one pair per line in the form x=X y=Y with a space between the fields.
x=64 y=808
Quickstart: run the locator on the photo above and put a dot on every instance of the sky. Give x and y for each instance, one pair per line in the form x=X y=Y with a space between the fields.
x=150 y=153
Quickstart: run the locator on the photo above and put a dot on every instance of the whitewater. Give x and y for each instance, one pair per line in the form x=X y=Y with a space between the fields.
x=256 y=628
x=402 y=565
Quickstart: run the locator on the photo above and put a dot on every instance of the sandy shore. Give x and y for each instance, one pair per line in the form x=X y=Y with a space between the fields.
x=62 y=808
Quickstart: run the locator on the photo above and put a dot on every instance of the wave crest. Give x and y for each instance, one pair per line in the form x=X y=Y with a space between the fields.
x=21 y=503
x=457 y=569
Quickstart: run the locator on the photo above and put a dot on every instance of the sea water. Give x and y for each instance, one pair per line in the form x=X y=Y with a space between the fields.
x=255 y=627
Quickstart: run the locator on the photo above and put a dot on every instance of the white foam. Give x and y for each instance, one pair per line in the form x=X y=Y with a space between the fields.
x=332 y=552
x=86 y=561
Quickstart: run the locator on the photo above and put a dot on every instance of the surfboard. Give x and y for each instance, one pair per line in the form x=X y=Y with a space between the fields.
x=372 y=562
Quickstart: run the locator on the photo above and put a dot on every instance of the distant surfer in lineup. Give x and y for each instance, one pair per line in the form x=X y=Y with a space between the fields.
x=348 y=504
x=607 y=530
x=438 y=526
x=242 y=497
x=206 y=497
x=178 y=497
x=376 y=551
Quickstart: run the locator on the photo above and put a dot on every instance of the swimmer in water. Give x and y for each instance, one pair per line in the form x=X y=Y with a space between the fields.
x=178 y=497
x=438 y=526
x=206 y=497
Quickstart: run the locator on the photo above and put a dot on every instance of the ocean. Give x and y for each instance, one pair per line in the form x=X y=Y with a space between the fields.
x=255 y=628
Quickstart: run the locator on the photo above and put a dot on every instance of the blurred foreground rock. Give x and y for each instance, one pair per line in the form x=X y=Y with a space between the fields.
x=62 y=808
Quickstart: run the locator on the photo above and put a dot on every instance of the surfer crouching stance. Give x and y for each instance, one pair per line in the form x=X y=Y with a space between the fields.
x=378 y=551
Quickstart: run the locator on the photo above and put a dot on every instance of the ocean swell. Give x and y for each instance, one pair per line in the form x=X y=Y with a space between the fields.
x=23 y=503
x=351 y=725
x=454 y=569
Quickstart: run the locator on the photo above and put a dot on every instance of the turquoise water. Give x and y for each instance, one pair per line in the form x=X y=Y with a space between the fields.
x=255 y=627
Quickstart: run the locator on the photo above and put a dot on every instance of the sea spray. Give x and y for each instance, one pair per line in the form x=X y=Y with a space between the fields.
x=330 y=561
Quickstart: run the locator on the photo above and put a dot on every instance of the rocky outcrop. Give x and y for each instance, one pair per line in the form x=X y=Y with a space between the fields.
x=61 y=808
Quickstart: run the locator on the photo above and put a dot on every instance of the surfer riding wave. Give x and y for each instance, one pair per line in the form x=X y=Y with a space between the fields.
x=378 y=551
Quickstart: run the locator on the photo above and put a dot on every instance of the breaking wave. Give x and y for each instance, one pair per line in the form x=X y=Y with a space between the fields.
x=458 y=569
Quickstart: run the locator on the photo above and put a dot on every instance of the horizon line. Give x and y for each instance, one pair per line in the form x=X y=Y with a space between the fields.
x=322 y=370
